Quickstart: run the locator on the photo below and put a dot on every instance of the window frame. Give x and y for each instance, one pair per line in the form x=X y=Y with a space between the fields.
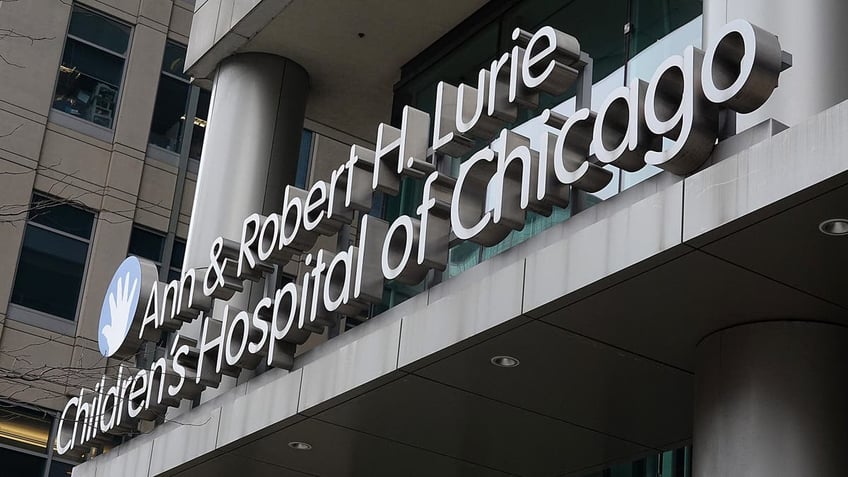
x=49 y=455
x=163 y=236
x=41 y=319
x=76 y=123
x=166 y=155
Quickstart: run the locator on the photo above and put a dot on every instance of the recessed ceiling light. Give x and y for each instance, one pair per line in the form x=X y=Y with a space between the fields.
x=504 y=361
x=297 y=445
x=835 y=227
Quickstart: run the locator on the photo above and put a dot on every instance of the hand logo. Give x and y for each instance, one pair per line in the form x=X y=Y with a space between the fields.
x=120 y=302
x=119 y=306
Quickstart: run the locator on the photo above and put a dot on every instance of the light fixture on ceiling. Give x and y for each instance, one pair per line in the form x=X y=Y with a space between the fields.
x=834 y=227
x=301 y=446
x=505 y=361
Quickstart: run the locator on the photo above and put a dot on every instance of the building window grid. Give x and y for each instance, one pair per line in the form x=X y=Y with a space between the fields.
x=123 y=56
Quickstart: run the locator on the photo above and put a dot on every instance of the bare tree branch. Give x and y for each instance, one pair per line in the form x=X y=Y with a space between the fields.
x=13 y=131
x=56 y=195
x=11 y=34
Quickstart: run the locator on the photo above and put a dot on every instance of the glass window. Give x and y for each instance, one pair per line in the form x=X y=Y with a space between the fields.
x=92 y=67
x=58 y=214
x=173 y=60
x=146 y=244
x=26 y=435
x=175 y=271
x=151 y=245
x=51 y=266
x=18 y=463
x=60 y=469
x=302 y=173
x=178 y=254
x=658 y=28
x=95 y=28
x=658 y=32
x=24 y=428
x=172 y=106
x=198 y=132
x=652 y=20
x=673 y=463
x=601 y=37
x=166 y=130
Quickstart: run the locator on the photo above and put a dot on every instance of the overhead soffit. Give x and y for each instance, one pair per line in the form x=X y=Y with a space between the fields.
x=351 y=77
x=604 y=379
x=779 y=267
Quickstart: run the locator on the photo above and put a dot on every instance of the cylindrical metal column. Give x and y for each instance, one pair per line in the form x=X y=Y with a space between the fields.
x=811 y=30
x=770 y=401
x=250 y=154
x=251 y=147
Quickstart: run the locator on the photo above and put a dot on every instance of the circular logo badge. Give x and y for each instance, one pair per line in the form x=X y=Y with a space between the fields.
x=119 y=306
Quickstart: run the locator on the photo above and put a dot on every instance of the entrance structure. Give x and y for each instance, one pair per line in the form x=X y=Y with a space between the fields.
x=708 y=309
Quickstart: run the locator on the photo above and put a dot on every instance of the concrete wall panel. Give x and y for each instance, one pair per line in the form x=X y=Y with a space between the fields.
x=609 y=245
x=482 y=298
x=28 y=74
x=138 y=93
x=71 y=158
x=269 y=399
x=192 y=435
x=360 y=362
x=763 y=175
x=108 y=250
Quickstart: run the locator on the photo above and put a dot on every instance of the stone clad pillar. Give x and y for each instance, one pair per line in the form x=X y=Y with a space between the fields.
x=771 y=400
x=813 y=32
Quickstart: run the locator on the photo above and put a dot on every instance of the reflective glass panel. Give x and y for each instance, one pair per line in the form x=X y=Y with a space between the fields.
x=100 y=30
x=57 y=214
x=178 y=254
x=303 y=159
x=650 y=50
x=173 y=61
x=199 y=130
x=92 y=67
x=166 y=130
x=19 y=464
x=60 y=469
x=50 y=272
x=21 y=427
x=146 y=244
x=654 y=19
x=88 y=84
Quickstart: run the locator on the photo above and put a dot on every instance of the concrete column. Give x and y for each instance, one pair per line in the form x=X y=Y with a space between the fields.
x=251 y=147
x=813 y=32
x=770 y=401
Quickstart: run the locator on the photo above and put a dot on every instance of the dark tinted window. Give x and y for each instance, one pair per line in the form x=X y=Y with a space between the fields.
x=99 y=29
x=58 y=214
x=20 y=464
x=199 y=131
x=92 y=67
x=146 y=244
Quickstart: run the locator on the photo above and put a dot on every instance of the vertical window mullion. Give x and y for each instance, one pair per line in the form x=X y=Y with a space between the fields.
x=54 y=428
x=176 y=203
